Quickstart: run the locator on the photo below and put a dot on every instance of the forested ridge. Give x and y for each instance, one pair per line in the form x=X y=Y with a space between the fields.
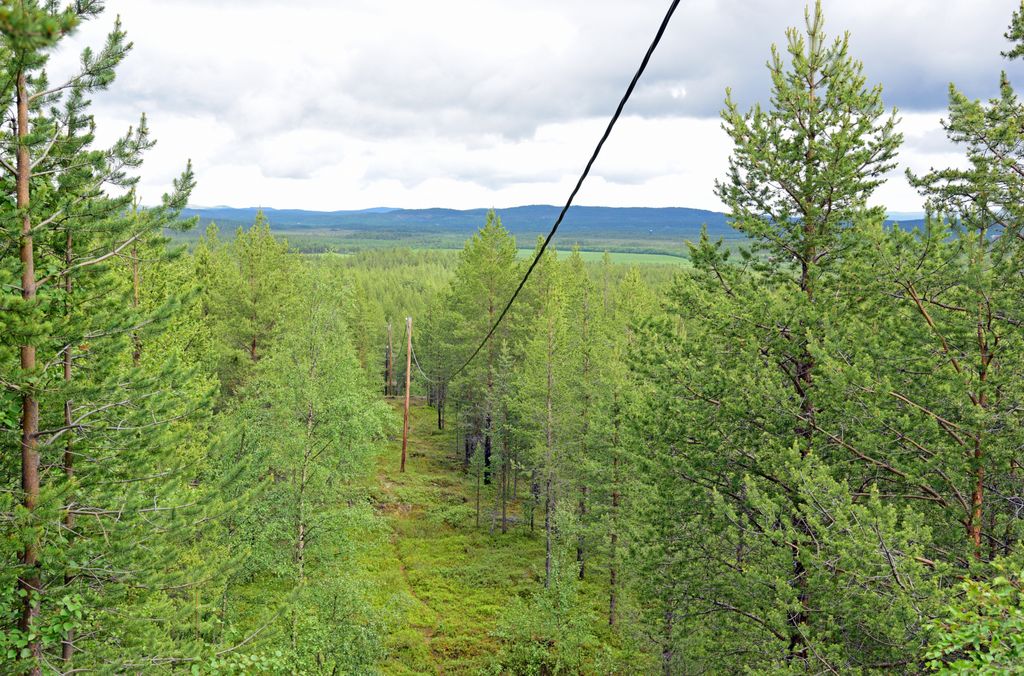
x=797 y=454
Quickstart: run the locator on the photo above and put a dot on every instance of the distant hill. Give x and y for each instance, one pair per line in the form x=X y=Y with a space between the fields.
x=633 y=222
x=632 y=229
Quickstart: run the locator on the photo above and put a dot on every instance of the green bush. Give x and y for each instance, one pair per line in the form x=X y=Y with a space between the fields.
x=983 y=632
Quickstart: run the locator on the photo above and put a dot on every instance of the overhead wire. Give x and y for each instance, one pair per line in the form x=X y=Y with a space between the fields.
x=396 y=357
x=579 y=183
x=419 y=368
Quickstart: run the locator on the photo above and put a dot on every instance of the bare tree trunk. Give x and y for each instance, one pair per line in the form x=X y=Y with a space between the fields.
x=28 y=576
x=534 y=495
x=505 y=464
x=487 y=447
x=442 y=394
x=981 y=401
x=515 y=480
x=458 y=430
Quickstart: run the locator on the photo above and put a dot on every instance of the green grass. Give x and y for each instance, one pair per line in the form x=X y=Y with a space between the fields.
x=619 y=257
x=454 y=579
x=623 y=257
x=410 y=545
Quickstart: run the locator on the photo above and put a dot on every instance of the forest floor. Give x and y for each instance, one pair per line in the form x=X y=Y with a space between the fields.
x=449 y=577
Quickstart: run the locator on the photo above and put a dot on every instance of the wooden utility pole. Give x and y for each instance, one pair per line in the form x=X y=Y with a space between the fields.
x=388 y=358
x=408 y=373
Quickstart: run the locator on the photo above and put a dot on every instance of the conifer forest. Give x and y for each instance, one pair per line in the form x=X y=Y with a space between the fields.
x=794 y=448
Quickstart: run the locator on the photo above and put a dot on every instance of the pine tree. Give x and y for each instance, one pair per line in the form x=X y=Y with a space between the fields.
x=102 y=428
x=801 y=173
x=626 y=308
x=543 y=394
x=964 y=295
x=246 y=292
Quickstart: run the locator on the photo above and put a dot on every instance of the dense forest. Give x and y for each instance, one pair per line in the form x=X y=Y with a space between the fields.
x=797 y=455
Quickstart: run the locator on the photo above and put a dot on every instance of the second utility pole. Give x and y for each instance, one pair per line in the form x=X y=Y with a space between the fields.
x=408 y=373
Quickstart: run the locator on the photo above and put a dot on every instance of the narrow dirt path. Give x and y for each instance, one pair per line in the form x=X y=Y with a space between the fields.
x=422 y=618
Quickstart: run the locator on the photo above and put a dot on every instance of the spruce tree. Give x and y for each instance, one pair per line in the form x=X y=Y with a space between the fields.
x=484 y=281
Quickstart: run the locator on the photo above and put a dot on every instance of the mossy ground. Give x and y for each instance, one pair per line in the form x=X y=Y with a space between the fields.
x=410 y=543
x=452 y=577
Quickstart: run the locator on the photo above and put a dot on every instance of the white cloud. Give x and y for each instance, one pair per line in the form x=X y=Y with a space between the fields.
x=464 y=103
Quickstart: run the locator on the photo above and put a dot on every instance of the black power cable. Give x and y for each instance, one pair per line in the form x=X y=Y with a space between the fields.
x=419 y=368
x=579 y=183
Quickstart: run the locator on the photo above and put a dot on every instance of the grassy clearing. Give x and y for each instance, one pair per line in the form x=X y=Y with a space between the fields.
x=625 y=258
x=409 y=546
x=452 y=578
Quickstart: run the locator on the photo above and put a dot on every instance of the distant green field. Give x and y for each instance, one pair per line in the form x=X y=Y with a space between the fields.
x=625 y=251
x=622 y=257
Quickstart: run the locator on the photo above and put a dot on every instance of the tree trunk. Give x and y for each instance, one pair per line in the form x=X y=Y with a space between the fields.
x=550 y=439
x=505 y=464
x=487 y=449
x=28 y=576
x=515 y=480
x=534 y=495
x=667 y=653
x=67 y=648
x=136 y=340
x=613 y=564
x=548 y=507
x=441 y=396
x=581 y=558
x=490 y=396
x=613 y=555
x=981 y=401
x=804 y=431
x=300 y=526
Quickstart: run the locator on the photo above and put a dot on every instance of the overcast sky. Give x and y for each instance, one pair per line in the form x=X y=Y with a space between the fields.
x=348 y=104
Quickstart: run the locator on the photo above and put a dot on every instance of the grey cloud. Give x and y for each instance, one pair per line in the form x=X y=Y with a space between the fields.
x=420 y=79
x=932 y=142
x=468 y=75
